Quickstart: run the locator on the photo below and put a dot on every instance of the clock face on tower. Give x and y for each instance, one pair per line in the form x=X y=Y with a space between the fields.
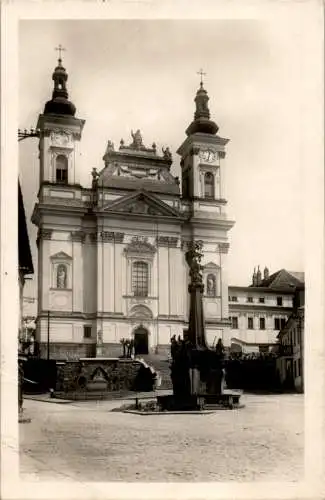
x=207 y=155
x=60 y=138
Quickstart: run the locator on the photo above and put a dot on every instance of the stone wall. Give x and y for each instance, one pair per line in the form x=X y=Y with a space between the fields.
x=65 y=350
x=104 y=375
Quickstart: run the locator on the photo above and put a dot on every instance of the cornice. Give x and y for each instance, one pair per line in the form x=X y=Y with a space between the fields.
x=250 y=308
x=210 y=201
x=223 y=247
x=167 y=241
x=259 y=290
x=43 y=234
x=106 y=236
x=78 y=236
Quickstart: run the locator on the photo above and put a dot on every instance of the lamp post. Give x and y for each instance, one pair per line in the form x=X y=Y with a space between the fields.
x=48 y=335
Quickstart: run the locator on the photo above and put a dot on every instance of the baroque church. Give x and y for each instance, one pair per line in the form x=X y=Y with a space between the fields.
x=111 y=257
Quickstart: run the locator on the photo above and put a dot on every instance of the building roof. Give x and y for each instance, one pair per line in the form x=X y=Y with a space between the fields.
x=283 y=279
x=138 y=167
x=259 y=289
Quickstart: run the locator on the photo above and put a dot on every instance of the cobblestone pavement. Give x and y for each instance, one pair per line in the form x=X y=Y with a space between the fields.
x=84 y=441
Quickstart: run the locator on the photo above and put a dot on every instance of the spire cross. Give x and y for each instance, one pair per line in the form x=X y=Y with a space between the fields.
x=60 y=49
x=201 y=73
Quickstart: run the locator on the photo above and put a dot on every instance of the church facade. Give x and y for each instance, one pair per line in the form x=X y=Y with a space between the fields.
x=111 y=257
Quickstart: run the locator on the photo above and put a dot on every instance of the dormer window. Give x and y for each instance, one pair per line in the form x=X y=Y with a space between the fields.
x=208 y=185
x=61 y=169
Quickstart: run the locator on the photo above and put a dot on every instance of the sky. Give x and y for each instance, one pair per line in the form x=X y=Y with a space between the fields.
x=142 y=74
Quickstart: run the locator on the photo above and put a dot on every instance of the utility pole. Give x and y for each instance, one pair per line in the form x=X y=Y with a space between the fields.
x=48 y=335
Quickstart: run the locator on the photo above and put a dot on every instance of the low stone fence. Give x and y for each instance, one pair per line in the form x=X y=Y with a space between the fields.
x=88 y=375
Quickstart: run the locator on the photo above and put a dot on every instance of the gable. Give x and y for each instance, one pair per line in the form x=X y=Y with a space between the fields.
x=141 y=203
x=211 y=266
x=61 y=256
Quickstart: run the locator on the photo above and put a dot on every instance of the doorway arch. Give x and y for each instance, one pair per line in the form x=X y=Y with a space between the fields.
x=141 y=340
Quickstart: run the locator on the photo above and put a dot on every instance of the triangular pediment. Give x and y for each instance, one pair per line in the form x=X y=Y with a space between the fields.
x=141 y=203
x=210 y=266
x=61 y=256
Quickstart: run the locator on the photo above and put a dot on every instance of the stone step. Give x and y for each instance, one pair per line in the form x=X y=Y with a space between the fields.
x=162 y=366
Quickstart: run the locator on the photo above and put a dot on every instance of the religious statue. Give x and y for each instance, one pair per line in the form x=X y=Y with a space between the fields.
x=62 y=276
x=110 y=146
x=137 y=139
x=167 y=154
x=211 y=285
x=220 y=350
x=193 y=259
x=95 y=176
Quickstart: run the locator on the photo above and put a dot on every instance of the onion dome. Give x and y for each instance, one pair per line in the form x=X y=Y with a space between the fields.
x=202 y=122
x=60 y=104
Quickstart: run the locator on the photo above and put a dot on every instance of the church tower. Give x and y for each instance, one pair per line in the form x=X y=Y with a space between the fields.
x=204 y=200
x=58 y=214
x=60 y=133
x=201 y=159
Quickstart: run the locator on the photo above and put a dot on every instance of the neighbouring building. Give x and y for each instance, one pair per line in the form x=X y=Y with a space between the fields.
x=25 y=262
x=111 y=257
x=291 y=350
x=258 y=312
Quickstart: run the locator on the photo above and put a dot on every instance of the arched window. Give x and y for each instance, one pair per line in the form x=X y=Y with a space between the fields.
x=61 y=169
x=208 y=185
x=140 y=279
x=211 y=285
x=61 y=276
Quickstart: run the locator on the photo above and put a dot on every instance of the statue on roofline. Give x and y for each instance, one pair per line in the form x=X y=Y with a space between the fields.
x=137 y=139
x=167 y=154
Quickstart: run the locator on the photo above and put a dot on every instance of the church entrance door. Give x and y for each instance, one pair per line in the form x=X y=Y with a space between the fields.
x=141 y=341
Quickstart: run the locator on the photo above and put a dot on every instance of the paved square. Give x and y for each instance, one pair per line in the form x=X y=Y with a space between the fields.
x=85 y=441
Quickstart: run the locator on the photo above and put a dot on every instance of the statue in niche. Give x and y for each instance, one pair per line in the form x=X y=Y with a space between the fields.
x=211 y=285
x=61 y=276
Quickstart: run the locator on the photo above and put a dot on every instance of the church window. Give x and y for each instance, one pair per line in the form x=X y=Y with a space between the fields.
x=211 y=285
x=61 y=276
x=208 y=185
x=87 y=332
x=140 y=279
x=61 y=169
x=234 y=323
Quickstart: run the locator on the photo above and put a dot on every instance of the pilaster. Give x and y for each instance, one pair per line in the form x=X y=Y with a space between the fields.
x=77 y=238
